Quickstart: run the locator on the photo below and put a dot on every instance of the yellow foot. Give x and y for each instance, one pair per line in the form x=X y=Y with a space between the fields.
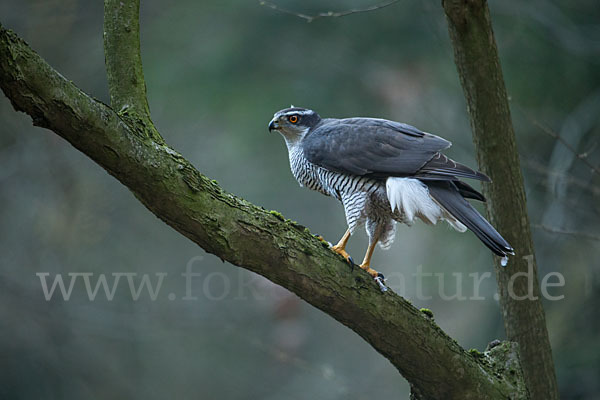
x=378 y=276
x=370 y=271
x=342 y=252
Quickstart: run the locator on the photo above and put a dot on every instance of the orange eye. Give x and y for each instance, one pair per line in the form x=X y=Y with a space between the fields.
x=293 y=119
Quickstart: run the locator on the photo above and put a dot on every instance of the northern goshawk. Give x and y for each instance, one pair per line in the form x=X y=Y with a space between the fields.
x=383 y=172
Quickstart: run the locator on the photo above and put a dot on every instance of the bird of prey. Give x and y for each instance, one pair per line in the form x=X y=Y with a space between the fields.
x=383 y=172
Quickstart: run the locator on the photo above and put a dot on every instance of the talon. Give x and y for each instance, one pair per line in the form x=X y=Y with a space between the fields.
x=370 y=271
x=340 y=248
x=377 y=276
x=351 y=261
x=343 y=253
x=379 y=279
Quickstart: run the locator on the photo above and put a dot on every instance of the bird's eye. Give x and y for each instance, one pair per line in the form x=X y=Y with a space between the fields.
x=293 y=119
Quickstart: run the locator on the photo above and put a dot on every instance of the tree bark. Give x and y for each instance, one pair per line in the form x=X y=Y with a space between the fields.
x=478 y=65
x=126 y=84
x=126 y=144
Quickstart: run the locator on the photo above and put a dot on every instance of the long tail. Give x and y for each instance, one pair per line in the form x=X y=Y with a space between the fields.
x=448 y=196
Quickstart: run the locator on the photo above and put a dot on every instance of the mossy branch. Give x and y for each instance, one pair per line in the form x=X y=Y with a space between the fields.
x=244 y=234
x=123 y=59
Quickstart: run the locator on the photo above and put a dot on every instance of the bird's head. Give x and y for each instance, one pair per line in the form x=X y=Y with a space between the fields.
x=293 y=123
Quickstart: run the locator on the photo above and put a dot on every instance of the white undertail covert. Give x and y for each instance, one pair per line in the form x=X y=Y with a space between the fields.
x=410 y=197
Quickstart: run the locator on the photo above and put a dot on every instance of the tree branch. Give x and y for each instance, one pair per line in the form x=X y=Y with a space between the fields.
x=248 y=236
x=328 y=14
x=126 y=84
x=567 y=232
x=478 y=65
x=581 y=156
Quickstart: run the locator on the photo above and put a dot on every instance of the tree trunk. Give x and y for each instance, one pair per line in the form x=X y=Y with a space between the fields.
x=478 y=65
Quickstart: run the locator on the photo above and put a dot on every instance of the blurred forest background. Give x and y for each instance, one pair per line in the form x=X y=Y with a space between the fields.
x=216 y=71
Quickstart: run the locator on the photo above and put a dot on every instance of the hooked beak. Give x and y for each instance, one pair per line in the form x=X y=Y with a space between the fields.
x=273 y=125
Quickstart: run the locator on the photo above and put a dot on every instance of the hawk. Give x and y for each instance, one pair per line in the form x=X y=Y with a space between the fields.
x=383 y=172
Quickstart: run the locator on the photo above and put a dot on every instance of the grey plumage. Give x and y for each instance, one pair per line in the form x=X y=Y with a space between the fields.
x=376 y=147
x=383 y=172
x=450 y=197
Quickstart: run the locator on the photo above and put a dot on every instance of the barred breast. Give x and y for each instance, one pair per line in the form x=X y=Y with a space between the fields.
x=328 y=182
x=355 y=192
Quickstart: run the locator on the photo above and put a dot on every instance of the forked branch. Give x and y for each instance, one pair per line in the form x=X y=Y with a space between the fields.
x=240 y=232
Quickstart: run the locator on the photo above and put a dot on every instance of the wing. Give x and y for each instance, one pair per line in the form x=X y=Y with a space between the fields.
x=381 y=148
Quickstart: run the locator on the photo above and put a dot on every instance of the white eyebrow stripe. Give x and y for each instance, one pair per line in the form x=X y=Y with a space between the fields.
x=298 y=112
